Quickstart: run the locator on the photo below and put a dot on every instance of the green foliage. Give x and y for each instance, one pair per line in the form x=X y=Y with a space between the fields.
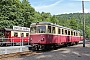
x=46 y=17
x=21 y=13
x=74 y=21
x=54 y=19
x=6 y=24
x=88 y=31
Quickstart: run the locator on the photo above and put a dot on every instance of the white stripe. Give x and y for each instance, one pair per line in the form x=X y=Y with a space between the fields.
x=51 y=34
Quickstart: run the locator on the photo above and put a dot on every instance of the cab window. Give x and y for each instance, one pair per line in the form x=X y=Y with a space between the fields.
x=33 y=29
x=41 y=29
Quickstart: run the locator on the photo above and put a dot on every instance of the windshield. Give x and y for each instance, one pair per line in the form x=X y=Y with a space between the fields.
x=38 y=29
x=41 y=29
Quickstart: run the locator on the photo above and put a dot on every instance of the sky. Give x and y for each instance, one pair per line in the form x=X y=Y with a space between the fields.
x=60 y=6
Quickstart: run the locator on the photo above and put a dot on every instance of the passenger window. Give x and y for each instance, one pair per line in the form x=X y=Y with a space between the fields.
x=22 y=34
x=27 y=34
x=71 y=32
x=65 y=32
x=68 y=32
x=15 y=34
x=53 y=29
x=74 y=33
x=49 y=29
x=62 y=31
x=59 y=31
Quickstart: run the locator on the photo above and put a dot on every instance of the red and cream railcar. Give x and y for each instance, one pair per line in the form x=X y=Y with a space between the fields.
x=45 y=34
x=17 y=35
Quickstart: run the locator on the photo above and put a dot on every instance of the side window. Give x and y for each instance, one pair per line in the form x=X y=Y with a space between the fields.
x=53 y=29
x=68 y=32
x=74 y=34
x=22 y=34
x=59 y=31
x=15 y=34
x=71 y=32
x=27 y=34
x=62 y=31
x=65 y=32
x=49 y=29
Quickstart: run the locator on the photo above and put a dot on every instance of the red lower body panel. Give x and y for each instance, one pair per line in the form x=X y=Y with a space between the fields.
x=19 y=39
x=52 y=39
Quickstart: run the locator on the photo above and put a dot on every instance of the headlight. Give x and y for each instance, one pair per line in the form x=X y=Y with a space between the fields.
x=42 y=39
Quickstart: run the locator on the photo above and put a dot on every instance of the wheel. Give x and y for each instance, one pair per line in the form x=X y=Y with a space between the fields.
x=35 y=47
x=76 y=43
x=65 y=45
x=1 y=44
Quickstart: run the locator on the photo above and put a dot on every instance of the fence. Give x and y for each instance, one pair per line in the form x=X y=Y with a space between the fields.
x=20 y=41
x=13 y=49
x=12 y=45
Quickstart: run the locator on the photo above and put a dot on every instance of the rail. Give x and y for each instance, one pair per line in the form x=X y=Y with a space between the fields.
x=16 y=55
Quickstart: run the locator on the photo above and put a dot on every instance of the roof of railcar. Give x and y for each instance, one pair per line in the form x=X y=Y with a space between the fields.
x=8 y=29
x=48 y=23
x=42 y=23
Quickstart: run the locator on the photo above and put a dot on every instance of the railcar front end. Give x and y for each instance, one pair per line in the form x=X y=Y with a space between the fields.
x=39 y=38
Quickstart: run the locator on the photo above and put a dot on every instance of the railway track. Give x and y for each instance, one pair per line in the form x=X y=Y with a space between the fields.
x=16 y=55
x=20 y=54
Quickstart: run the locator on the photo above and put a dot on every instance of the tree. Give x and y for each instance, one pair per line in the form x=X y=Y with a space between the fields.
x=88 y=32
x=46 y=16
x=8 y=9
x=28 y=13
x=54 y=19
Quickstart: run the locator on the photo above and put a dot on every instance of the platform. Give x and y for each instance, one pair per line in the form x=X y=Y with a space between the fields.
x=14 y=49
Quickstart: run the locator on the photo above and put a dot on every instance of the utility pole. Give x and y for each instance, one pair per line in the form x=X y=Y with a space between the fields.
x=83 y=24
